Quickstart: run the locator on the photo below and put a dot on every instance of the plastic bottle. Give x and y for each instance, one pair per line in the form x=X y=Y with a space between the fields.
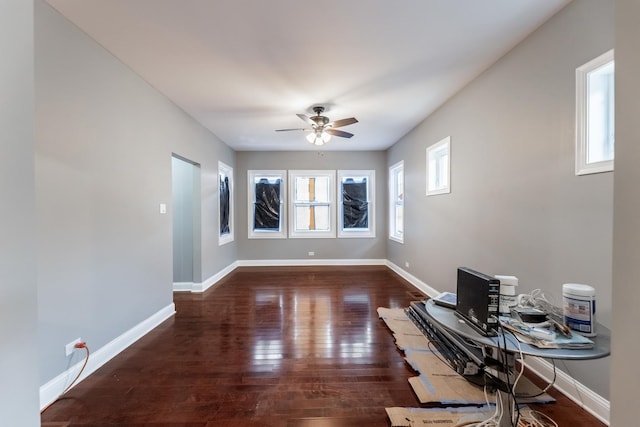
x=579 y=308
x=508 y=297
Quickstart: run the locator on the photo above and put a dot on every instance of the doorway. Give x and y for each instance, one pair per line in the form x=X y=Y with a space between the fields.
x=185 y=177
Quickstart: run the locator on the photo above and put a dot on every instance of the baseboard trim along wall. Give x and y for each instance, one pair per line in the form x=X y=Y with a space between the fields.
x=203 y=286
x=211 y=281
x=183 y=286
x=413 y=280
x=592 y=402
x=50 y=391
x=308 y=262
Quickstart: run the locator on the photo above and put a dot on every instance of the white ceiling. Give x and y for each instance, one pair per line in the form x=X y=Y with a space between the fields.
x=244 y=68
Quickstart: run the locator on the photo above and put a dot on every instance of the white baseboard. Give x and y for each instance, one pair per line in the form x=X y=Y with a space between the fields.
x=308 y=262
x=50 y=391
x=413 y=280
x=592 y=402
x=182 y=286
x=203 y=286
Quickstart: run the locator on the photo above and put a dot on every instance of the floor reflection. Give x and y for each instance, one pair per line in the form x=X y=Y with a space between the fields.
x=311 y=323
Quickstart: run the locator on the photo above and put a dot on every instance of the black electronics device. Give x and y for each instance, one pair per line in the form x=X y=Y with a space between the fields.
x=529 y=314
x=478 y=298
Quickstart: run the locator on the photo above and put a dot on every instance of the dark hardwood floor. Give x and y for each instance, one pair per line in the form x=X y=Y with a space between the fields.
x=277 y=346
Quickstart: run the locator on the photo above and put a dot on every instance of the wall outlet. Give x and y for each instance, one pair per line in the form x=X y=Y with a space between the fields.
x=70 y=348
x=311 y=253
x=406 y=264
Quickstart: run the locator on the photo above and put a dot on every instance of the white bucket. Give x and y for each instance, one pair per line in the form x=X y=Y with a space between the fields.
x=579 y=308
x=508 y=297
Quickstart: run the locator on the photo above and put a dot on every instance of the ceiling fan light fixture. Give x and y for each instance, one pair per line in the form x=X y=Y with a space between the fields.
x=321 y=128
x=311 y=137
x=319 y=137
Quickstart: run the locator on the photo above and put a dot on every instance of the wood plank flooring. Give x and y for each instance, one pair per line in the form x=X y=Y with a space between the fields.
x=274 y=346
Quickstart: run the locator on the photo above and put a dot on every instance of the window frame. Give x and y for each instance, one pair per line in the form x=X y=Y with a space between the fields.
x=394 y=170
x=370 y=231
x=225 y=171
x=434 y=186
x=312 y=234
x=251 y=199
x=582 y=166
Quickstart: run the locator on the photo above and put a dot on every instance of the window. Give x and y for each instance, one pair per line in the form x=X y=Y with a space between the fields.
x=438 y=167
x=312 y=206
x=356 y=207
x=396 y=202
x=595 y=134
x=225 y=191
x=266 y=193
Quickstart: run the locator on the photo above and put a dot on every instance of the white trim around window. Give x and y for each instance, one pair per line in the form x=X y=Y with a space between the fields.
x=312 y=207
x=396 y=202
x=272 y=213
x=439 y=167
x=595 y=122
x=358 y=214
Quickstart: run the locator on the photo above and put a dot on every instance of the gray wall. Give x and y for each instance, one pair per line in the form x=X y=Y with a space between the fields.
x=283 y=249
x=625 y=372
x=104 y=142
x=18 y=300
x=516 y=207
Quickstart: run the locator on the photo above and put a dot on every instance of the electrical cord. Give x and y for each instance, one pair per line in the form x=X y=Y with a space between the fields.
x=84 y=365
x=532 y=418
x=514 y=409
x=538 y=299
x=548 y=386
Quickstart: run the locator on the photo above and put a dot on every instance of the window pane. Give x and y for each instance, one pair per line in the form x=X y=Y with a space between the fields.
x=600 y=114
x=313 y=208
x=438 y=170
x=322 y=189
x=355 y=207
x=595 y=122
x=399 y=220
x=312 y=217
x=396 y=202
x=267 y=204
x=225 y=206
x=314 y=189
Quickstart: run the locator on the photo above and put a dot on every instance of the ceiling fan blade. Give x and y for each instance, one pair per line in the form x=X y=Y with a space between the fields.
x=286 y=130
x=344 y=122
x=305 y=119
x=340 y=133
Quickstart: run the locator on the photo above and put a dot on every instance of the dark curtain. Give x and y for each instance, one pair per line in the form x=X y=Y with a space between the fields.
x=267 y=206
x=356 y=207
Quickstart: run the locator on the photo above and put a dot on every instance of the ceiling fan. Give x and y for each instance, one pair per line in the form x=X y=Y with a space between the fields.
x=321 y=128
